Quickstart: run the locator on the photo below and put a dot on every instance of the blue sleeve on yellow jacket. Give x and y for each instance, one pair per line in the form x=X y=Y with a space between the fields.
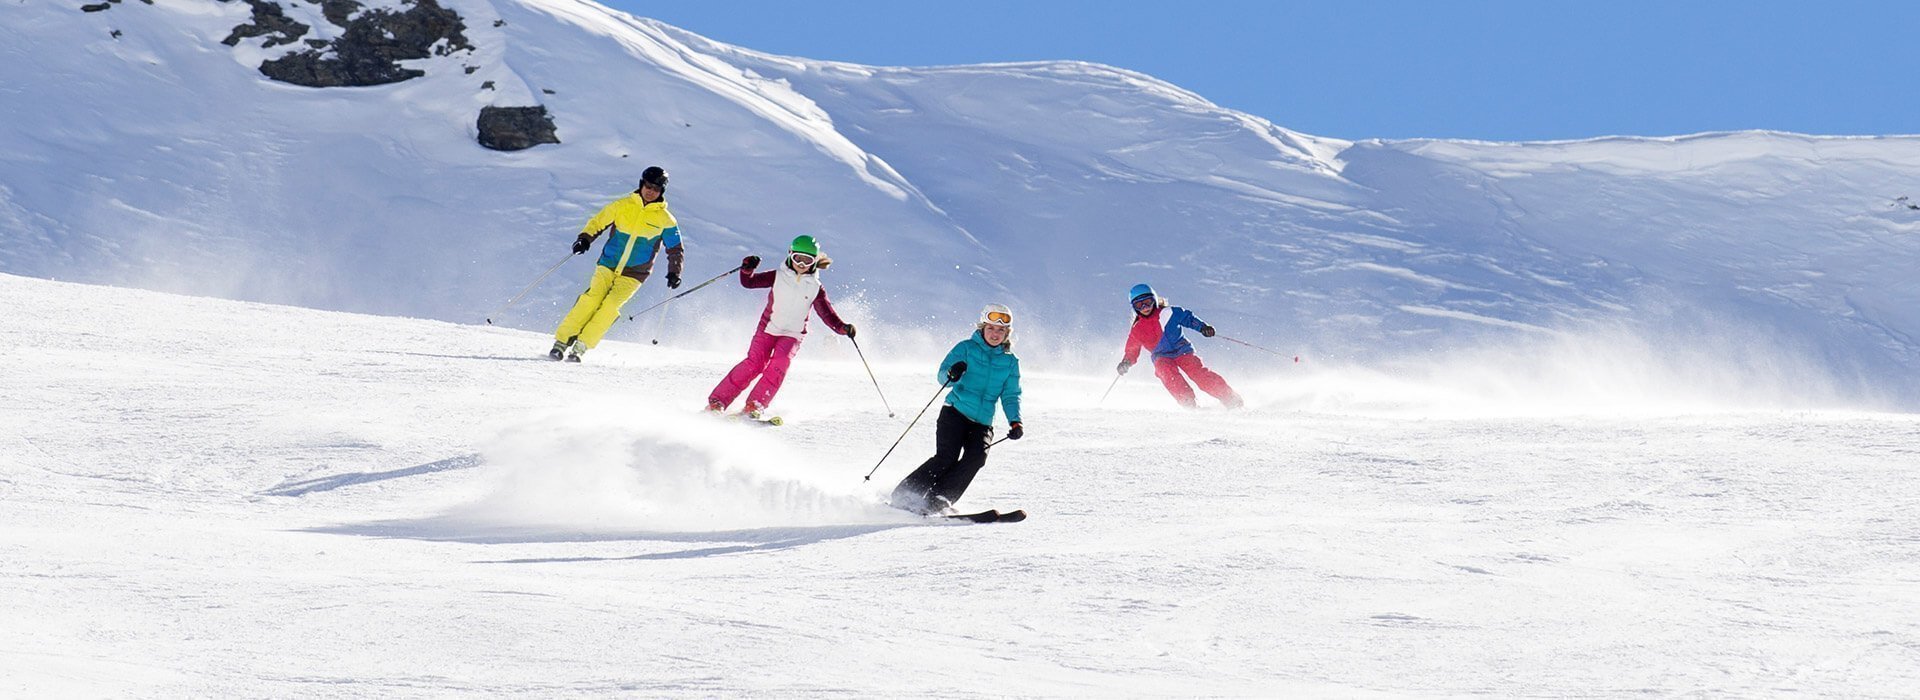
x=670 y=238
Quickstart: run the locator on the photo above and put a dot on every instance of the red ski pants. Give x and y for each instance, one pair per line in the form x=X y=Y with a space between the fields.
x=767 y=358
x=1169 y=369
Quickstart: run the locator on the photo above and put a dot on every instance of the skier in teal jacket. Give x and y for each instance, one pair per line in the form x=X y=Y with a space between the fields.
x=983 y=372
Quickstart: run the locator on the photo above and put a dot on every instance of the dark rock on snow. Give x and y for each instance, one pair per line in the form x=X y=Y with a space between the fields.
x=369 y=51
x=375 y=41
x=515 y=128
x=268 y=21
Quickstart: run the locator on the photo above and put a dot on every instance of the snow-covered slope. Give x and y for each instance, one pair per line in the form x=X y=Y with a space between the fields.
x=203 y=498
x=160 y=158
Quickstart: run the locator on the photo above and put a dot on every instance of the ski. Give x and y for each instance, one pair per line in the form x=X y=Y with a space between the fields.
x=990 y=516
x=985 y=516
x=766 y=421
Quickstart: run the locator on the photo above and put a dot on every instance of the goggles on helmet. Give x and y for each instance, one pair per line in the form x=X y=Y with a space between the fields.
x=1143 y=302
x=999 y=318
x=799 y=259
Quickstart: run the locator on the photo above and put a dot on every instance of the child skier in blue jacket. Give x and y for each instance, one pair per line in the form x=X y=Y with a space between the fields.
x=982 y=371
x=1156 y=329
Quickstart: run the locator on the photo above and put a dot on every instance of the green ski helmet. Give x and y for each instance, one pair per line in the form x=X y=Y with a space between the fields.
x=805 y=244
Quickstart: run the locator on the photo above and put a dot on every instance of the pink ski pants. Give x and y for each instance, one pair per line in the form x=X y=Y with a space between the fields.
x=1169 y=370
x=767 y=358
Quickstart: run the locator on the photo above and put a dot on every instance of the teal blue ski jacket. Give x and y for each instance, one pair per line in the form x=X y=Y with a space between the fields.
x=993 y=374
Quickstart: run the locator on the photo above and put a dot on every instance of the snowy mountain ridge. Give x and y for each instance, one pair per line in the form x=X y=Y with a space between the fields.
x=140 y=151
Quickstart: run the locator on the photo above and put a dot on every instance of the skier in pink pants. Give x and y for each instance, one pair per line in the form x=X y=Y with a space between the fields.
x=793 y=294
x=1156 y=329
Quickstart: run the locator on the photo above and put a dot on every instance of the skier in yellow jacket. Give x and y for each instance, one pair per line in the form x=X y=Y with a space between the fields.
x=640 y=226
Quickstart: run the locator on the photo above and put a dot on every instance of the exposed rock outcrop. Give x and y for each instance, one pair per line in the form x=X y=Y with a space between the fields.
x=373 y=44
x=339 y=12
x=369 y=50
x=515 y=128
x=105 y=5
x=268 y=21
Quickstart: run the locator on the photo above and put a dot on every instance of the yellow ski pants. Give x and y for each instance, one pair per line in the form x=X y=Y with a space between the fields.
x=598 y=307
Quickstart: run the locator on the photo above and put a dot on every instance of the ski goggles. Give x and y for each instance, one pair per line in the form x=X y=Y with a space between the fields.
x=999 y=318
x=1142 y=303
x=799 y=259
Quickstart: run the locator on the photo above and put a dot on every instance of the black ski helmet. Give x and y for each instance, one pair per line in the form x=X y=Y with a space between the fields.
x=653 y=175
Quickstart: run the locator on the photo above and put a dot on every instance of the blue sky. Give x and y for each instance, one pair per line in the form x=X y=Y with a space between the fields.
x=1503 y=70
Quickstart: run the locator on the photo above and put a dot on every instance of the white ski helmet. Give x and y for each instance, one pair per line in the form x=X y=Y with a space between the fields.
x=997 y=315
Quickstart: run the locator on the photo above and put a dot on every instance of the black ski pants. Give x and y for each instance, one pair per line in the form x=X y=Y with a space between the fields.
x=960 y=449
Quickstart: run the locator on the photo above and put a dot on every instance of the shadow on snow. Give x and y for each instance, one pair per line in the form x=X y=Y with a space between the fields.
x=329 y=483
x=445 y=529
x=503 y=358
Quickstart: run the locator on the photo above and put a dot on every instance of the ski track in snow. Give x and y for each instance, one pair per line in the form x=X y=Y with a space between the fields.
x=203 y=497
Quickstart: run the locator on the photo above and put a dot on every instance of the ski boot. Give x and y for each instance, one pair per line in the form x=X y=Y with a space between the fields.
x=575 y=349
x=559 y=351
x=938 y=505
x=758 y=414
x=754 y=412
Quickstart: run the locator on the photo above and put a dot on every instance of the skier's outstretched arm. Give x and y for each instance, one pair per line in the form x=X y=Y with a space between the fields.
x=1132 y=352
x=1010 y=395
x=756 y=280
x=599 y=224
x=1186 y=318
x=955 y=355
x=824 y=309
x=676 y=254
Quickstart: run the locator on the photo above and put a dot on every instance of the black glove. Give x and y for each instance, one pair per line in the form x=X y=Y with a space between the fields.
x=1124 y=366
x=1206 y=331
x=673 y=281
x=581 y=244
x=849 y=330
x=954 y=372
x=750 y=262
x=1014 y=430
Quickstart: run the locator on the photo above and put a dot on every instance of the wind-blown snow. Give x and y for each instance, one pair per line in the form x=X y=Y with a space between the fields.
x=206 y=497
x=161 y=159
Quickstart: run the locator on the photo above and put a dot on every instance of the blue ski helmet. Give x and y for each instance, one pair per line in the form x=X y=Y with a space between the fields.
x=1140 y=290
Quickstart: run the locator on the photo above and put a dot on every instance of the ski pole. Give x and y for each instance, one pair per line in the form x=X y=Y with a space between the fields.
x=1116 y=380
x=696 y=288
x=996 y=442
x=876 y=380
x=1296 y=358
x=523 y=292
x=1103 y=397
x=903 y=434
x=661 y=328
